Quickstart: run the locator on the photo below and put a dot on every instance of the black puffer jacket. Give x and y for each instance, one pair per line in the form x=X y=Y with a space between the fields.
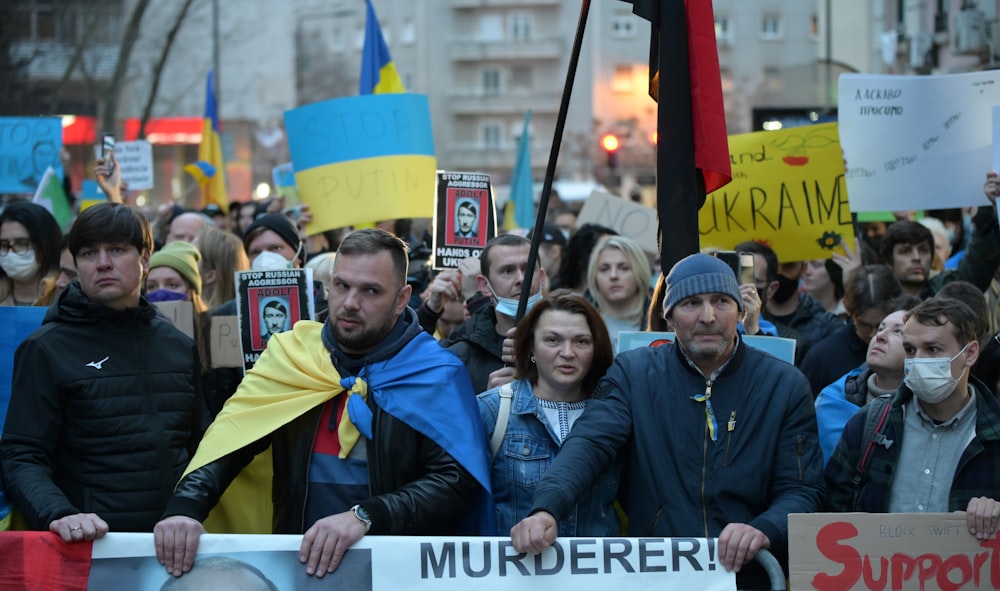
x=478 y=345
x=104 y=415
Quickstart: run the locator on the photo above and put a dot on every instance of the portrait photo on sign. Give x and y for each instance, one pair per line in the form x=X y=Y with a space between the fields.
x=466 y=220
x=271 y=315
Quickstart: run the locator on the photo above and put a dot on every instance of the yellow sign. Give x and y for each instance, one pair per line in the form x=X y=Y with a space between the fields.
x=788 y=191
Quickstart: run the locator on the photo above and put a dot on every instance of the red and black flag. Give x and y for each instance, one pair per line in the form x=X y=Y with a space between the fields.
x=692 y=157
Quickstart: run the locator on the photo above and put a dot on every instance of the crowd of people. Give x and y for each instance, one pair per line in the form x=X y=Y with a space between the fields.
x=417 y=404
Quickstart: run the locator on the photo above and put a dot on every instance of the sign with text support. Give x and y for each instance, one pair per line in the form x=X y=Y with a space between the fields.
x=788 y=191
x=868 y=551
x=917 y=142
x=363 y=158
x=630 y=219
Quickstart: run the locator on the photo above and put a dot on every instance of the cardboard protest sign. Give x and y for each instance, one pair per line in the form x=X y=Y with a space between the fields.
x=630 y=219
x=788 y=191
x=268 y=303
x=464 y=217
x=283 y=177
x=224 y=346
x=28 y=146
x=121 y=561
x=135 y=160
x=181 y=314
x=917 y=142
x=855 y=551
x=363 y=158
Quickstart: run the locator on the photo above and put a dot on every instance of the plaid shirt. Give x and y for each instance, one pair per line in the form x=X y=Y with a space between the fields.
x=977 y=475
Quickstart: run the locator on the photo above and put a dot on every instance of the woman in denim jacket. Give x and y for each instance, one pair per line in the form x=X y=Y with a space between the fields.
x=561 y=350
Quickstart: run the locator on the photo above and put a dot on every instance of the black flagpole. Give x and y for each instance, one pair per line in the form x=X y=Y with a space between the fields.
x=550 y=170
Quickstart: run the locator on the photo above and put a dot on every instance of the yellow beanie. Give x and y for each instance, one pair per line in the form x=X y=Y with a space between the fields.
x=181 y=257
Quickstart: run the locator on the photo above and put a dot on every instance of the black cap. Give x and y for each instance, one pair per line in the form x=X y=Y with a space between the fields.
x=280 y=225
x=551 y=234
x=212 y=209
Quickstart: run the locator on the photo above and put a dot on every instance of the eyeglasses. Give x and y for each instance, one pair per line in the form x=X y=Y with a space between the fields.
x=19 y=245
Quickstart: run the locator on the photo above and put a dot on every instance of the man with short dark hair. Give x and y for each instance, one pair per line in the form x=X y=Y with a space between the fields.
x=478 y=341
x=908 y=247
x=720 y=437
x=105 y=410
x=373 y=426
x=935 y=446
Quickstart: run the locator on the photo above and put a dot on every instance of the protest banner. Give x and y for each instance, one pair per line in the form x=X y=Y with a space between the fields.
x=865 y=551
x=634 y=220
x=122 y=561
x=268 y=303
x=28 y=146
x=135 y=160
x=782 y=348
x=464 y=217
x=787 y=191
x=917 y=142
x=363 y=158
x=16 y=323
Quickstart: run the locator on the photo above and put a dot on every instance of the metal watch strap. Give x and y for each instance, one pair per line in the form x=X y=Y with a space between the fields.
x=362 y=516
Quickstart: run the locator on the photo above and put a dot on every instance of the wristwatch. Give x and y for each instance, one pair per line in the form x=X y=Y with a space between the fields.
x=362 y=516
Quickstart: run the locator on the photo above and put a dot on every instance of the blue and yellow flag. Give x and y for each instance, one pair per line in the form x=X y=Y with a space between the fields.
x=520 y=212
x=378 y=72
x=210 y=151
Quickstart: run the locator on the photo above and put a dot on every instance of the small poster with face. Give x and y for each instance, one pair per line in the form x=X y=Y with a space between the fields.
x=268 y=303
x=464 y=217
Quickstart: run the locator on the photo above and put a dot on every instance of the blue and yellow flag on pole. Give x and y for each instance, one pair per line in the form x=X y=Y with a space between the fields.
x=378 y=72
x=520 y=212
x=210 y=151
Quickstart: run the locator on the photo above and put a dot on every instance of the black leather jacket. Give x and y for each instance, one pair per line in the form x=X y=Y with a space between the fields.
x=416 y=487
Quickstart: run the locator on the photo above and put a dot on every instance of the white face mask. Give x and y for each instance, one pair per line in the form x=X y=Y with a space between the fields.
x=930 y=379
x=19 y=266
x=270 y=261
x=508 y=306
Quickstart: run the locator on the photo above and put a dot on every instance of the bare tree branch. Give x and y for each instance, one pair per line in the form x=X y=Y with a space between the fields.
x=112 y=90
x=81 y=47
x=158 y=68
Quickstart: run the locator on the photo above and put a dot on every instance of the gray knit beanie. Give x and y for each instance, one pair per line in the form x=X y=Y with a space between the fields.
x=697 y=274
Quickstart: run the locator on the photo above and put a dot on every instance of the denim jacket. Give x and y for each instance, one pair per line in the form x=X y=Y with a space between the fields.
x=529 y=447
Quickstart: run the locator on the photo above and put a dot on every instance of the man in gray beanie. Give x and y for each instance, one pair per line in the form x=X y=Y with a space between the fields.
x=719 y=439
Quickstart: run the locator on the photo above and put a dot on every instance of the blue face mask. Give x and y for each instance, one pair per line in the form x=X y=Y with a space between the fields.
x=165 y=295
x=508 y=306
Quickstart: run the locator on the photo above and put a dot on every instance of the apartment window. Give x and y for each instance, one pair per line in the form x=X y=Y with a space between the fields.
x=490 y=27
x=520 y=76
x=814 y=27
x=492 y=135
x=68 y=25
x=622 y=81
x=723 y=30
x=491 y=82
x=770 y=26
x=519 y=26
x=359 y=36
x=623 y=26
x=45 y=23
x=409 y=35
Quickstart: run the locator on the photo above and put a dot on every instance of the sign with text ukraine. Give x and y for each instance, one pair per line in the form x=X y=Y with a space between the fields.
x=788 y=191
x=889 y=551
x=917 y=142
x=363 y=158
x=123 y=561
x=28 y=146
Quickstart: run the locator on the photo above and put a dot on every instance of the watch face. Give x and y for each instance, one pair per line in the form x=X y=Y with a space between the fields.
x=362 y=513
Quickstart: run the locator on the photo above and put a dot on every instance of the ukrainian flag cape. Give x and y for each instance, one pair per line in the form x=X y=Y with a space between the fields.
x=424 y=385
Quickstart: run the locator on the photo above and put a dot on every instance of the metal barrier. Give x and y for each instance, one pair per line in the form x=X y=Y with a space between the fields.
x=773 y=569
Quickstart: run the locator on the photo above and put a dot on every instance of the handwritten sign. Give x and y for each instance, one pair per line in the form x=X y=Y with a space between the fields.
x=633 y=220
x=136 y=162
x=225 y=342
x=28 y=146
x=788 y=191
x=181 y=314
x=917 y=142
x=363 y=158
x=930 y=551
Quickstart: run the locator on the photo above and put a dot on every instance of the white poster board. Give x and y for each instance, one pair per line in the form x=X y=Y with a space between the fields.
x=135 y=159
x=917 y=142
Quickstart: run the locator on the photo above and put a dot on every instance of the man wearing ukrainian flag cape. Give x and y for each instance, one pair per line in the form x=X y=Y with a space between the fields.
x=373 y=425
